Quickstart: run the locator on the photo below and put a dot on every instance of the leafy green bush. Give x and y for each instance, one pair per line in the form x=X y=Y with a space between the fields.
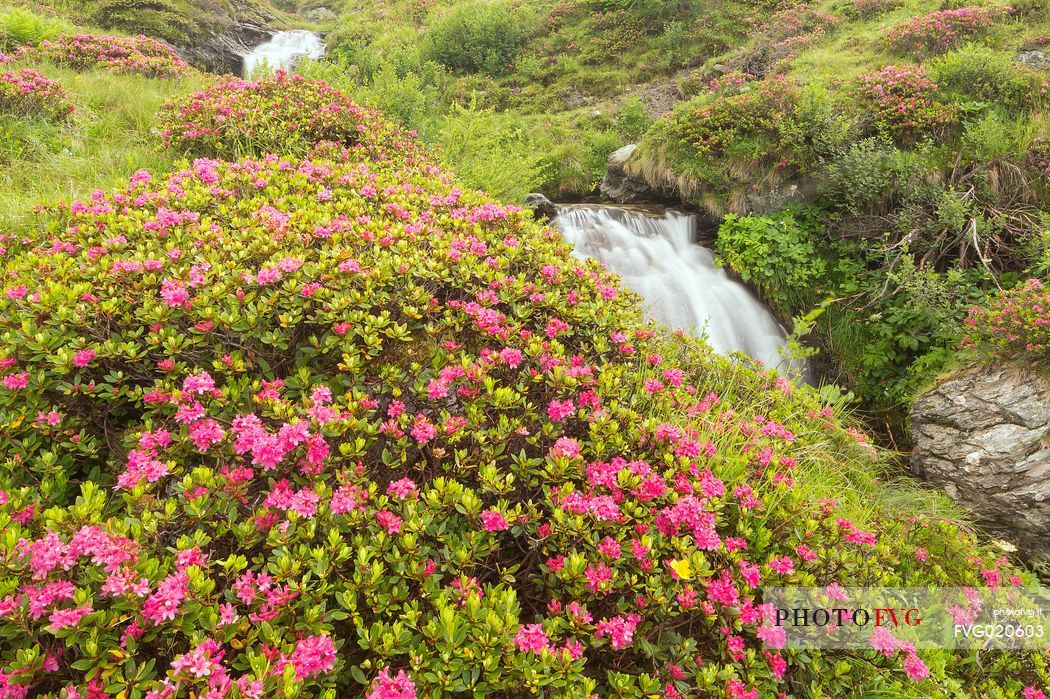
x=479 y=37
x=651 y=12
x=174 y=20
x=632 y=119
x=775 y=254
x=491 y=151
x=865 y=176
x=979 y=73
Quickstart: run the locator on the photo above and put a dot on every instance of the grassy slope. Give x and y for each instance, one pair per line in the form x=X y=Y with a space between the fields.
x=108 y=138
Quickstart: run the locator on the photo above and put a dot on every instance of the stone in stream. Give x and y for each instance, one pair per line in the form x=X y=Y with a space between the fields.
x=542 y=207
x=983 y=435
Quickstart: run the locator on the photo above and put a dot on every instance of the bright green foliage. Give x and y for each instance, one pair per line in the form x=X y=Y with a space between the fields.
x=774 y=254
x=19 y=26
x=975 y=73
x=361 y=422
x=170 y=19
x=491 y=152
x=478 y=37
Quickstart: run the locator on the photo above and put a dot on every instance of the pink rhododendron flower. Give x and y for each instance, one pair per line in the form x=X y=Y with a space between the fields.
x=915 y=668
x=81 y=358
x=386 y=686
x=531 y=638
x=566 y=448
x=313 y=656
x=494 y=521
x=619 y=629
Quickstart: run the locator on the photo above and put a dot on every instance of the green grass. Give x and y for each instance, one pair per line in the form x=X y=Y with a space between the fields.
x=109 y=137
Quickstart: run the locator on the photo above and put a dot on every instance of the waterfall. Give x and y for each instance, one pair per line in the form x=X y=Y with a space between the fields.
x=680 y=283
x=283 y=50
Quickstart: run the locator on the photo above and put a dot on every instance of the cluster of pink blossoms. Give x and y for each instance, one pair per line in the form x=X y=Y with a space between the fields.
x=940 y=30
x=904 y=100
x=27 y=93
x=388 y=686
x=139 y=55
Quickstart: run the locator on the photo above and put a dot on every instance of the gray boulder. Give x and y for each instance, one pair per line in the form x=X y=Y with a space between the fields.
x=541 y=206
x=1035 y=59
x=620 y=186
x=983 y=435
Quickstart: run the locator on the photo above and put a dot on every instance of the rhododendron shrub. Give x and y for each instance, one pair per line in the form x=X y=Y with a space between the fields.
x=354 y=431
x=938 y=31
x=280 y=114
x=903 y=101
x=1015 y=322
x=27 y=93
x=754 y=111
x=139 y=55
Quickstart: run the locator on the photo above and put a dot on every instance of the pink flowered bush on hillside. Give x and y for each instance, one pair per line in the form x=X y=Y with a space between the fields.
x=333 y=426
x=938 y=31
x=1012 y=323
x=27 y=93
x=280 y=114
x=139 y=55
x=903 y=101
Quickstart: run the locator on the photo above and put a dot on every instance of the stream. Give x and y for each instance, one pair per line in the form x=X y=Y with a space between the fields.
x=680 y=283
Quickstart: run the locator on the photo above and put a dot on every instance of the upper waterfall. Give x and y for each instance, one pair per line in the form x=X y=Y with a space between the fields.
x=680 y=283
x=282 y=50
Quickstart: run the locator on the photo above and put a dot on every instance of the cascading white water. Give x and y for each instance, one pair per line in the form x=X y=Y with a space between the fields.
x=679 y=281
x=283 y=50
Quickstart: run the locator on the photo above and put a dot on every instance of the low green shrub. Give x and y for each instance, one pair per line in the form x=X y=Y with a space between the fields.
x=478 y=37
x=978 y=73
x=19 y=26
x=654 y=13
x=491 y=151
x=174 y=20
x=776 y=255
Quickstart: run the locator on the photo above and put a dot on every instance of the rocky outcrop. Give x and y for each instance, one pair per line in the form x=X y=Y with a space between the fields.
x=542 y=207
x=620 y=186
x=983 y=434
x=220 y=46
x=1036 y=59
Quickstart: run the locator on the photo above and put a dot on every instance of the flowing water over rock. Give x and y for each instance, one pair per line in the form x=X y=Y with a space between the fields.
x=283 y=50
x=678 y=279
